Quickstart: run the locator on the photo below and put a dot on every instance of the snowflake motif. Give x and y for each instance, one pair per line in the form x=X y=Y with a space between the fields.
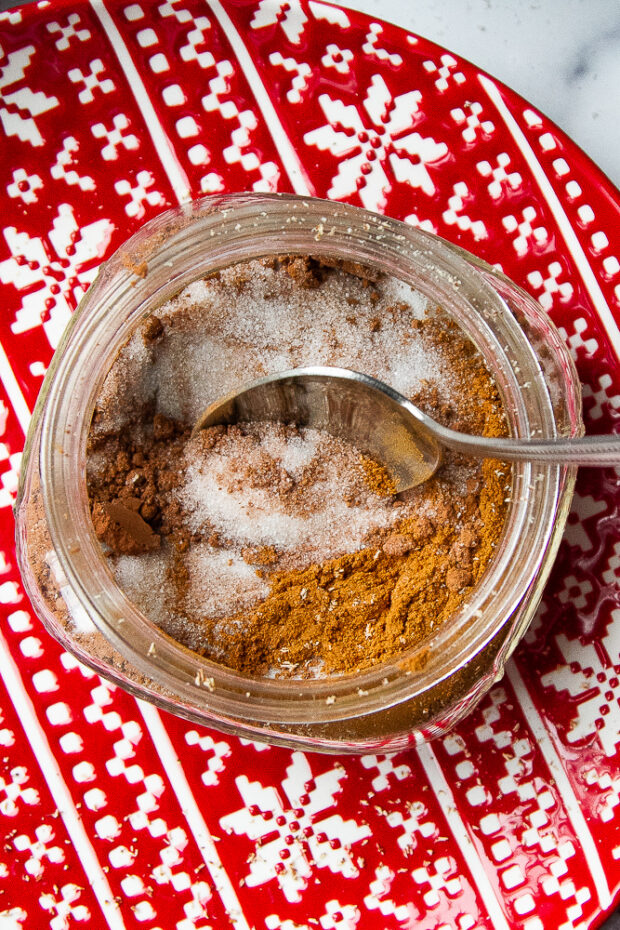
x=302 y=73
x=242 y=125
x=68 y=32
x=215 y=750
x=39 y=849
x=13 y=68
x=371 y=47
x=365 y=144
x=415 y=821
x=580 y=340
x=445 y=72
x=92 y=81
x=301 y=840
x=471 y=122
x=378 y=897
x=455 y=214
x=500 y=178
x=25 y=186
x=386 y=767
x=338 y=58
x=288 y=14
x=61 y=170
x=591 y=676
x=438 y=876
x=53 y=271
x=64 y=904
x=339 y=916
x=16 y=790
x=139 y=194
x=115 y=137
x=526 y=233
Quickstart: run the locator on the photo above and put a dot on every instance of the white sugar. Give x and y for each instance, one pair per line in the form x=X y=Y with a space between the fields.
x=145 y=580
x=130 y=383
x=320 y=523
x=220 y=582
x=294 y=453
x=399 y=292
x=228 y=333
x=254 y=518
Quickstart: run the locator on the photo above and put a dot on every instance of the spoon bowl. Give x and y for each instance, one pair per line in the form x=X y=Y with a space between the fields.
x=347 y=404
x=382 y=423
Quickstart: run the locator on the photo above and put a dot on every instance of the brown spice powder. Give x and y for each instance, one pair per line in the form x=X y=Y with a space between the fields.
x=378 y=478
x=346 y=613
x=359 y=610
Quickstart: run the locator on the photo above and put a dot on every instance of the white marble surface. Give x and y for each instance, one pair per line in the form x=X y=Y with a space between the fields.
x=563 y=56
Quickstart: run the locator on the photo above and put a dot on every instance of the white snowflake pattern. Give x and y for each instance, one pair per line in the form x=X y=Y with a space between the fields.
x=591 y=674
x=61 y=169
x=53 y=271
x=39 y=849
x=456 y=214
x=13 y=67
x=290 y=838
x=338 y=58
x=372 y=47
x=373 y=137
x=64 y=904
x=25 y=186
x=301 y=70
x=139 y=194
x=16 y=790
x=288 y=14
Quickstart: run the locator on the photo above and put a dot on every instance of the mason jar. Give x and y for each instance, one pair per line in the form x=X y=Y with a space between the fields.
x=383 y=708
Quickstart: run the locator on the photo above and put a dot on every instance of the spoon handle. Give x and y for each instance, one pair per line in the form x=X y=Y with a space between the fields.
x=594 y=451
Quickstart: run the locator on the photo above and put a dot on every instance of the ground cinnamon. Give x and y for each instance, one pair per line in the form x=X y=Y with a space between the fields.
x=278 y=609
x=359 y=610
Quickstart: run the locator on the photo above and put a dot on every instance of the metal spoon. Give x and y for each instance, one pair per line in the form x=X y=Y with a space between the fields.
x=381 y=422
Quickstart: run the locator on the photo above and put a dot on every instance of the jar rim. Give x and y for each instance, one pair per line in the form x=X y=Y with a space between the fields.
x=224 y=227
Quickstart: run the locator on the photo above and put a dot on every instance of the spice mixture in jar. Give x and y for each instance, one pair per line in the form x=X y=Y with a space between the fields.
x=277 y=550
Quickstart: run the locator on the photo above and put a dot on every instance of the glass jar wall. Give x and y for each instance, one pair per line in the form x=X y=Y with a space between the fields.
x=383 y=708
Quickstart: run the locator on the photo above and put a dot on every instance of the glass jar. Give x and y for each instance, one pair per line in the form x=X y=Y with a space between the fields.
x=381 y=709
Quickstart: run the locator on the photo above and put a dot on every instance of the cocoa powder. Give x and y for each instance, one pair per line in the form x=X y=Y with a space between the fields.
x=303 y=601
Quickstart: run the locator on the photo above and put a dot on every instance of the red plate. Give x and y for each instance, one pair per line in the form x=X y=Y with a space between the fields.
x=114 y=814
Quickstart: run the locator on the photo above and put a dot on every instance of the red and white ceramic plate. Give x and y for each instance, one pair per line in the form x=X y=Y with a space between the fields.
x=113 y=814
